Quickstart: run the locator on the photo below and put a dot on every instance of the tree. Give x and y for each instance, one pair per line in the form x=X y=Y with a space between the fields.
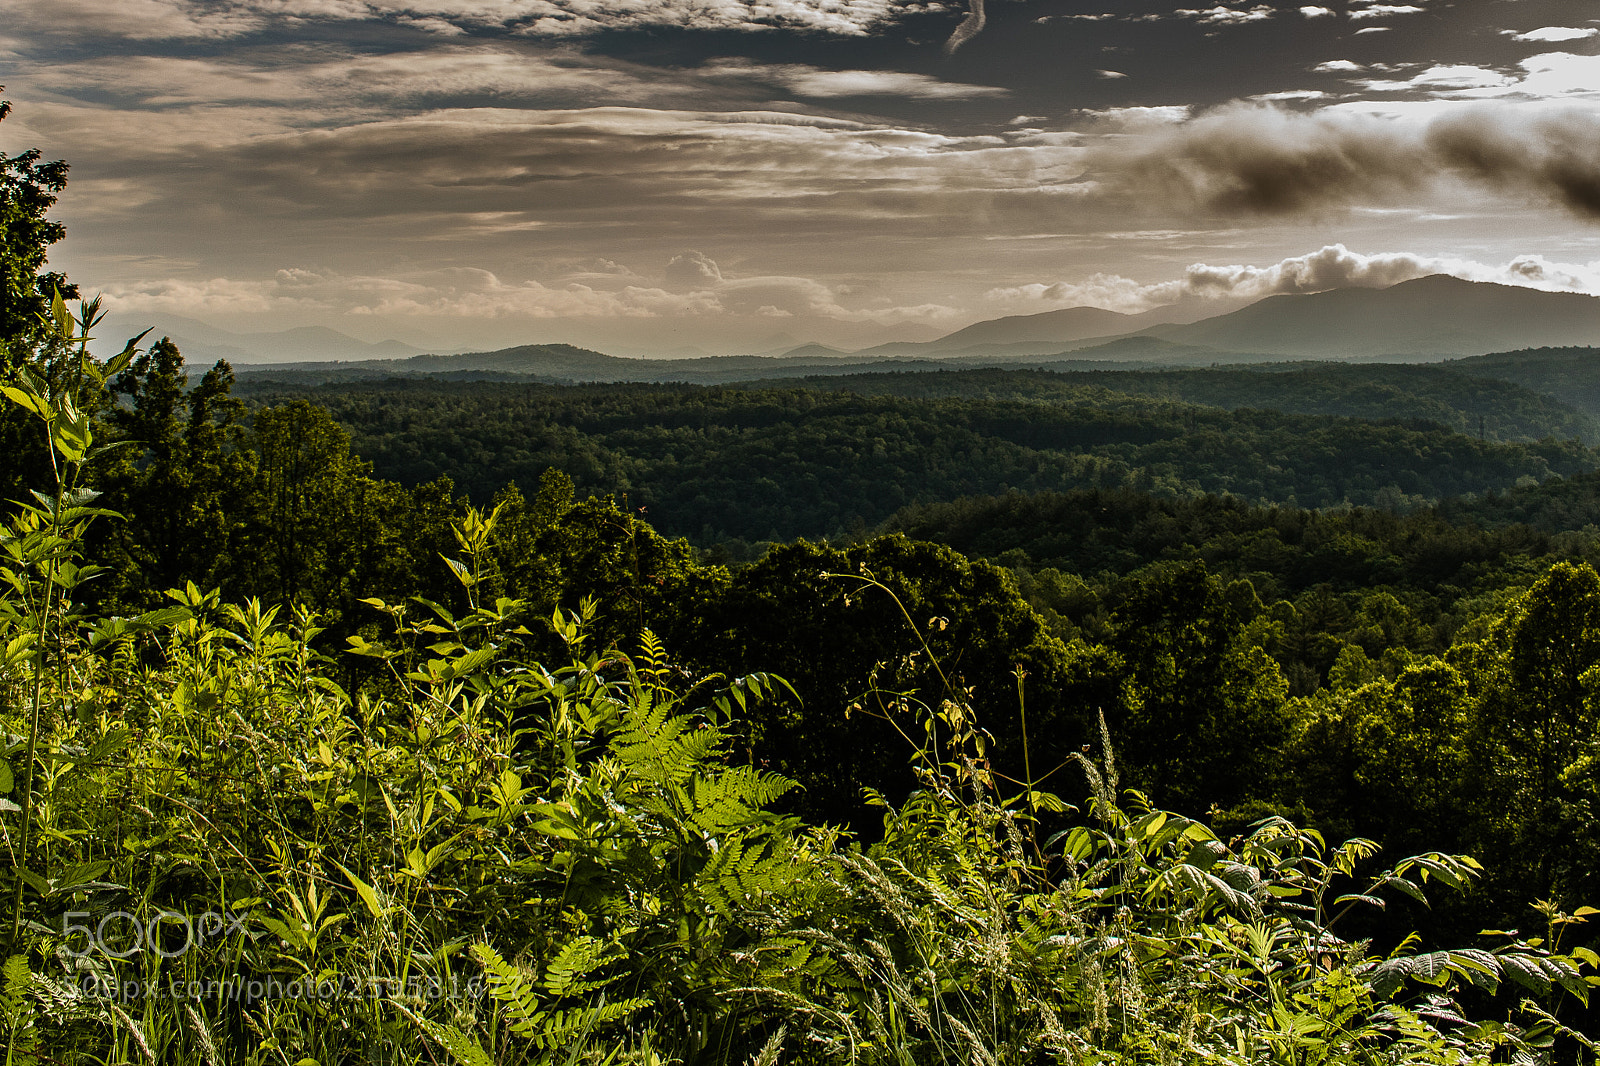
x=184 y=481
x=1410 y=758
x=1534 y=729
x=28 y=189
x=307 y=486
x=851 y=627
x=1202 y=723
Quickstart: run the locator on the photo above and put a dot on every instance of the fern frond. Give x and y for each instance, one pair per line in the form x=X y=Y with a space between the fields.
x=735 y=798
x=560 y=1029
x=568 y=974
x=512 y=988
x=14 y=996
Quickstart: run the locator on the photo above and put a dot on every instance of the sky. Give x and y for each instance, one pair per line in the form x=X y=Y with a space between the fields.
x=716 y=176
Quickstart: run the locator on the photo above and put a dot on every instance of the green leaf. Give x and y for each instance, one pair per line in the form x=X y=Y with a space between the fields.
x=458 y=568
x=1079 y=844
x=1526 y=972
x=368 y=894
x=37 y=404
x=162 y=617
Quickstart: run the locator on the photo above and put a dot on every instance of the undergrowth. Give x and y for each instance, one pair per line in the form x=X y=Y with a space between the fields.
x=219 y=855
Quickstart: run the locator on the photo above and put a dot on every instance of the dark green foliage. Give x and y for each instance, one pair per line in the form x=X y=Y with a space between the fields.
x=726 y=464
x=184 y=483
x=1474 y=404
x=28 y=189
x=1201 y=723
x=1568 y=508
x=899 y=617
x=1534 y=729
x=1570 y=373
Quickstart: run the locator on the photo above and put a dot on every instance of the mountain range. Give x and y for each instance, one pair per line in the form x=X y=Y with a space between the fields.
x=1424 y=320
x=1430 y=318
x=202 y=344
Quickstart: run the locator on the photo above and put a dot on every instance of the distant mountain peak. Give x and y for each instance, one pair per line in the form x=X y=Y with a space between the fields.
x=1436 y=316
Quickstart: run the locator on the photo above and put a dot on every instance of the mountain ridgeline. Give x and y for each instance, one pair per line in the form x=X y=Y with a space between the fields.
x=1426 y=319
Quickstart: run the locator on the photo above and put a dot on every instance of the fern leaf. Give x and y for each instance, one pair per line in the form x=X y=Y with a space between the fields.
x=577 y=960
x=564 y=1028
x=512 y=989
x=14 y=996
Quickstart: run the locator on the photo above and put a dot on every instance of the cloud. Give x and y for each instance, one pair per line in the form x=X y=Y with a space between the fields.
x=1133 y=119
x=1558 y=156
x=1556 y=33
x=828 y=83
x=628 y=167
x=809 y=81
x=1291 y=94
x=178 y=19
x=314 y=87
x=208 y=295
x=1551 y=76
x=1338 y=66
x=1331 y=267
x=970 y=27
x=459 y=292
x=693 y=270
x=1316 y=12
x=1262 y=160
x=1378 y=11
x=1228 y=16
x=1441 y=78
x=1265 y=161
x=139 y=20
x=441 y=27
x=466 y=295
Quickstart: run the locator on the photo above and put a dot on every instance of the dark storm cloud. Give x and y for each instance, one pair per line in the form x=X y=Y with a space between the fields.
x=1244 y=160
x=1555 y=156
x=1261 y=160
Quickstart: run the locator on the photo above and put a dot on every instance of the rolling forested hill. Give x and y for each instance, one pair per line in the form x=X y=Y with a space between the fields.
x=1570 y=373
x=1473 y=404
x=721 y=464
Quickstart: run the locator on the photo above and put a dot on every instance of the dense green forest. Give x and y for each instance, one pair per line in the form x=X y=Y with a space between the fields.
x=1476 y=405
x=728 y=464
x=1570 y=373
x=309 y=759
